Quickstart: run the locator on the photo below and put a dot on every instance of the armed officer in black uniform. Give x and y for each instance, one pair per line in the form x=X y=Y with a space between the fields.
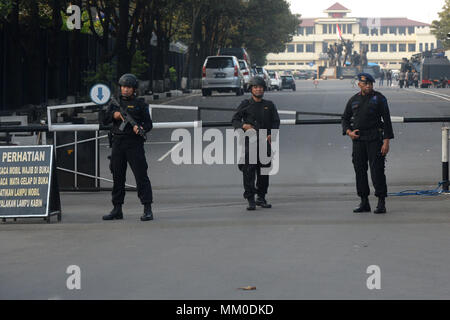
x=256 y=113
x=128 y=146
x=367 y=122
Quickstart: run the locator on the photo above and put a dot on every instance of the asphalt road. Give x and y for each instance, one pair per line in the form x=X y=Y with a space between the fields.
x=203 y=244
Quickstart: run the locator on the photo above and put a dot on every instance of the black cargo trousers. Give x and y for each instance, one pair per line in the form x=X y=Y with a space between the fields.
x=252 y=172
x=367 y=153
x=128 y=149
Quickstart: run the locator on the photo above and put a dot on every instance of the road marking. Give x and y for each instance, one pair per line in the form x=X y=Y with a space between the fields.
x=434 y=94
x=170 y=151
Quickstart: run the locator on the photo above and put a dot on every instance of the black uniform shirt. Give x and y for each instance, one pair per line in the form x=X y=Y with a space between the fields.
x=261 y=115
x=366 y=112
x=135 y=107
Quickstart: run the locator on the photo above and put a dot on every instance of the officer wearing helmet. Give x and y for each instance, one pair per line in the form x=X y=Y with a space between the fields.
x=366 y=120
x=128 y=147
x=256 y=113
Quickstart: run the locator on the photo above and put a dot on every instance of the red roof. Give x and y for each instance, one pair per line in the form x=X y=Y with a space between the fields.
x=384 y=22
x=396 y=22
x=337 y=6
x=307 y=22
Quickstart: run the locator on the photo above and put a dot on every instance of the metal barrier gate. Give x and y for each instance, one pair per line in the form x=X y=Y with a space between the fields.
x=97 y=128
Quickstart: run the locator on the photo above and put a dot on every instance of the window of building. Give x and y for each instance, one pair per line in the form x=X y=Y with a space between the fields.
x=300 y=47
x=309 y=30
x=300 y=63
x=330 y=28
x=324 y=29
x=383 y=30
x=411 y=47
x=426 y=46
x=411 y=30
x=365 y=30
x=291 y=63
x=281 y=63
x=344 y=28
x=393 y=30
x=364 y=47
x=431 y=46
x=349 y=28
x=374 y=47
x=402 y=47
x=290 y=48
x=421 y=47
x=392 y=47
x=334 y=28
x=301 y=31
x=374 y=32
x=310 y=47
x=272 y=63
x=402 y=30
x=383 y=47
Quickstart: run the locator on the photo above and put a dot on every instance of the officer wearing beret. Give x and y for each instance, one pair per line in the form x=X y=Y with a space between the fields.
x=367 y=122
x=256 y=113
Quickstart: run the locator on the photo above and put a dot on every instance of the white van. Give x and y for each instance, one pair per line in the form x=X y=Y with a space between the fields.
x=222 y=74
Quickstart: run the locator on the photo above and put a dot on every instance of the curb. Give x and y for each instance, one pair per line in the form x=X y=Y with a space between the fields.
x=170 y=94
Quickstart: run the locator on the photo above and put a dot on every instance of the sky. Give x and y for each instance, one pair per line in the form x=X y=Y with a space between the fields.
x=419 y=10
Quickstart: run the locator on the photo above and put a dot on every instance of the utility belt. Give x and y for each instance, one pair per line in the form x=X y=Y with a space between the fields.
x=371 y=134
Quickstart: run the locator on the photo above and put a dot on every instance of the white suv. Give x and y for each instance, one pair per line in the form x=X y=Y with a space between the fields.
x=275 y=80
x=222 y=74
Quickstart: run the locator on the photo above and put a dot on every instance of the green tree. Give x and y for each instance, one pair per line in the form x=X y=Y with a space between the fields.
x=441 y=27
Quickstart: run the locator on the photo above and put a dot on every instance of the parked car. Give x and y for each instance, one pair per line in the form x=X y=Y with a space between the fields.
x=222 y=74
x=245 y=72
x=239 y=53
x=260 y=71
x=275 y=80
x=302 y=75
x=288 y=82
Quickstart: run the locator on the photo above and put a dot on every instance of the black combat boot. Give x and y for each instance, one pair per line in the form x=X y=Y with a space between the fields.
x=364 y=206
x=381 y=207
x=261 y=201
x=115 y=213
x=251 y=203
x=148 y=214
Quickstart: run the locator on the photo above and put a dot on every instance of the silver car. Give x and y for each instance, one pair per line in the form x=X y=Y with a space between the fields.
x=222 y=74
x=245 y=72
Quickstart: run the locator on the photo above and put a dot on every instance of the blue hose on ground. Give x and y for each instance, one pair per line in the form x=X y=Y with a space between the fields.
x=434 y=192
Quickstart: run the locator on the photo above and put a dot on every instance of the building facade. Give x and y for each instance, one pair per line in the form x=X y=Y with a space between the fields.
x=387 y=40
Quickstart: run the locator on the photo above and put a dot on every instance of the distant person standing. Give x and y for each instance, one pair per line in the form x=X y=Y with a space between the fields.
x=389 y=78
x=401 y=79
x=381 y=78
x=407 y=77
x=416 y=79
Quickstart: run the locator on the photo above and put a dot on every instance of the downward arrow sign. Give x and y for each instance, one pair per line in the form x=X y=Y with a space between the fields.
x=99 y=93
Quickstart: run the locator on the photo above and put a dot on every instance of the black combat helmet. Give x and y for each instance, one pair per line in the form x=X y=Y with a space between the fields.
x=128 y=80
x=256 y=81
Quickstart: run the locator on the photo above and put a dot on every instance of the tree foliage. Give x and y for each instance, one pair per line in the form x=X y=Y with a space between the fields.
x=441 y=27
x=135 y=35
